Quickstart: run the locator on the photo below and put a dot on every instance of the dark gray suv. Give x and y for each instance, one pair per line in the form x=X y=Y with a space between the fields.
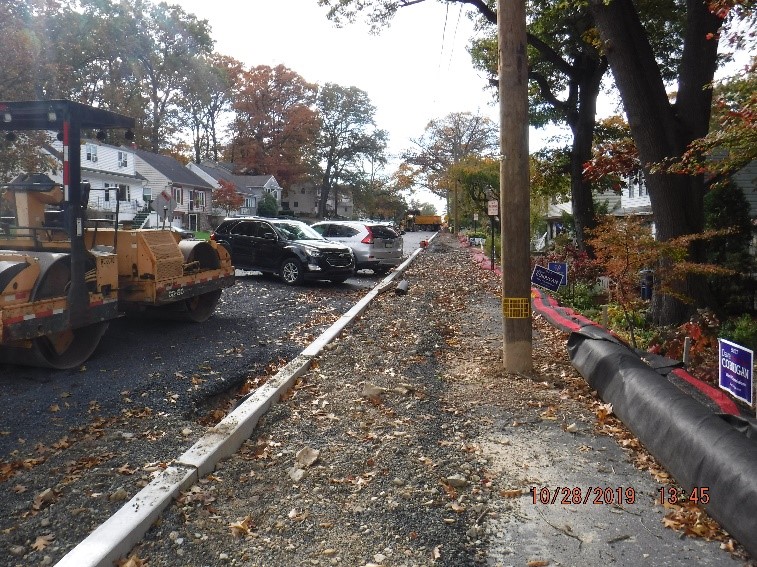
x=287 y=248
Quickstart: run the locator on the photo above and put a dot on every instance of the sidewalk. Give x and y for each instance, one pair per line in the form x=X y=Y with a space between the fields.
x=407 y=444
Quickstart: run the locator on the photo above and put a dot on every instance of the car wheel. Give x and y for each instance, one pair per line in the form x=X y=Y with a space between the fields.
x=291 y=271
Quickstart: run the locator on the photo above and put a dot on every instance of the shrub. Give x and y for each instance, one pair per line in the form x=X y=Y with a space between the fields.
x=742 y=331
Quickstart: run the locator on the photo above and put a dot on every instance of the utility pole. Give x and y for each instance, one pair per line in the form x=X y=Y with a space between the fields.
x=514 y=186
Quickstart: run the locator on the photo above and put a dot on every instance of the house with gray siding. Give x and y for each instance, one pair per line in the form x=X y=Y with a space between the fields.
x=252 y=187
x=188 y=195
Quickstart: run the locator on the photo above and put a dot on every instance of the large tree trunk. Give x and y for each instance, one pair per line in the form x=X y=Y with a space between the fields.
x=582 y=126
x=661 y=129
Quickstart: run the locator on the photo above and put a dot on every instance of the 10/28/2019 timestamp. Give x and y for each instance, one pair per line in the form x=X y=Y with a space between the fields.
x=569 y=495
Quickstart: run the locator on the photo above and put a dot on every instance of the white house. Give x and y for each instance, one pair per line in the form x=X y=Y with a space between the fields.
x=111 y=173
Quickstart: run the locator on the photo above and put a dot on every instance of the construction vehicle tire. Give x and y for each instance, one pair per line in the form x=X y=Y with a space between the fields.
x=60 y=350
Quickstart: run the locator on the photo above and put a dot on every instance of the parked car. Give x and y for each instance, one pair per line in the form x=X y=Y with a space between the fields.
x=376 y=246
x=287 y=248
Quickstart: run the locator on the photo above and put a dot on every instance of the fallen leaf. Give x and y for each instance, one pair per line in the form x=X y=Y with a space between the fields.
x=537 y=563
x=132 y=561
x=124 y=469
x=42 y=542
x=44 y=497
x=241 y=528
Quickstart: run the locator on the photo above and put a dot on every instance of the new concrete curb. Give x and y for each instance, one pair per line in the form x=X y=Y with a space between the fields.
x=115 y=537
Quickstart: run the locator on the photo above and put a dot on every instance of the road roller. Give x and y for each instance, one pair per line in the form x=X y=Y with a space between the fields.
x=62 y=278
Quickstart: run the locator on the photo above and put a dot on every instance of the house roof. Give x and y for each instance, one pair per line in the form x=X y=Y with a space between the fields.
x=172 y=169
x=556 y=210
x=222 y=171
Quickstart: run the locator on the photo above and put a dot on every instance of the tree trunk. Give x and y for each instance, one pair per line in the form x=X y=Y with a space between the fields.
x=582 y=126
x=661 y=129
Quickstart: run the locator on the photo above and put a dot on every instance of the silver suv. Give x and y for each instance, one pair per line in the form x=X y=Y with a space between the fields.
x=376 y=246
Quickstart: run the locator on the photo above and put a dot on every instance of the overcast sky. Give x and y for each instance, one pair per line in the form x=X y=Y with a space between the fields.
x=413 y=72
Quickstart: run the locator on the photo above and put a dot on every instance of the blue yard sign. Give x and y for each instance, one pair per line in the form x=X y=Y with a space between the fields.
x=735 y=375
x=546 y=278
x=561 y=267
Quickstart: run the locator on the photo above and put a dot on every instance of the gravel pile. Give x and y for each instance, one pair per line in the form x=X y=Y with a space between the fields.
x=405 y=445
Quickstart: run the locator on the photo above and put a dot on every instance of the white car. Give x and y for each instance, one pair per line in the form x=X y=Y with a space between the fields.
x=376 y=246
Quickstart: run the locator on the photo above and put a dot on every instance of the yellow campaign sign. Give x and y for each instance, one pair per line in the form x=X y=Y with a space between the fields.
x=516 y=307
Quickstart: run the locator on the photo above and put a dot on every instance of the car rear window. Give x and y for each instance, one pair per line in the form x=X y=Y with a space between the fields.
x=226 y=226
x=343 y=231
x=383 y=231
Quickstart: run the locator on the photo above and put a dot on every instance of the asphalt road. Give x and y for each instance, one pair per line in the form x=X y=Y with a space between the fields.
x=258 y=322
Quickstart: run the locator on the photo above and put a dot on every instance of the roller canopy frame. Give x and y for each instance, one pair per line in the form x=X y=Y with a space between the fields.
x=69 y=118
x=36 y=114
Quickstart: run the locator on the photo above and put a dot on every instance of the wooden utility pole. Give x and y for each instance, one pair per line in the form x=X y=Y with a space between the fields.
x=514 y=186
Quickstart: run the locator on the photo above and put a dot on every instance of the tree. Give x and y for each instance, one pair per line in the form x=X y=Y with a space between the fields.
x=163 y=40
x=275 y=127
x=564 y=61
x=348 y=136
x=477 y=179
x=209 y=86
x=226 y=197
x=663 y=129
x=731 y=142
x=444 y=143
x=268 y=206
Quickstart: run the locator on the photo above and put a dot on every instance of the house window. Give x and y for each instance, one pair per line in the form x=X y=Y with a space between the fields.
x=91 y=152
x=249 y=202
x=197 y=199
x=107 y=195
x=123 y=159
x=302 y=190
x=178 y=195
x=296 y=205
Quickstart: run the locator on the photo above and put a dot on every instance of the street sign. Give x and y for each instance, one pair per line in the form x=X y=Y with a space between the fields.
x=475 y=216
x=164 y=204
x=735 y=370
x=561 y=267
x=546 y=278
x=492 y=208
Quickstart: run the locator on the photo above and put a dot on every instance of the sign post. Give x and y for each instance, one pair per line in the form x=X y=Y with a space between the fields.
x=492 y=209
x=735 y=370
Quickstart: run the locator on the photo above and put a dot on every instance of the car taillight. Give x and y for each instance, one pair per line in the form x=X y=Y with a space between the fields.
x=213 y=236
x=368 y=239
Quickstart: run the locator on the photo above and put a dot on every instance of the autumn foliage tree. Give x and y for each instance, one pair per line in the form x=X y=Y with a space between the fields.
x=624 y=246
x=226 y=197
x=276 y=126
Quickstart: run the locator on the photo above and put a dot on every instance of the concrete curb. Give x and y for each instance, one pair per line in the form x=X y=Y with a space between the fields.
x=115 y=537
